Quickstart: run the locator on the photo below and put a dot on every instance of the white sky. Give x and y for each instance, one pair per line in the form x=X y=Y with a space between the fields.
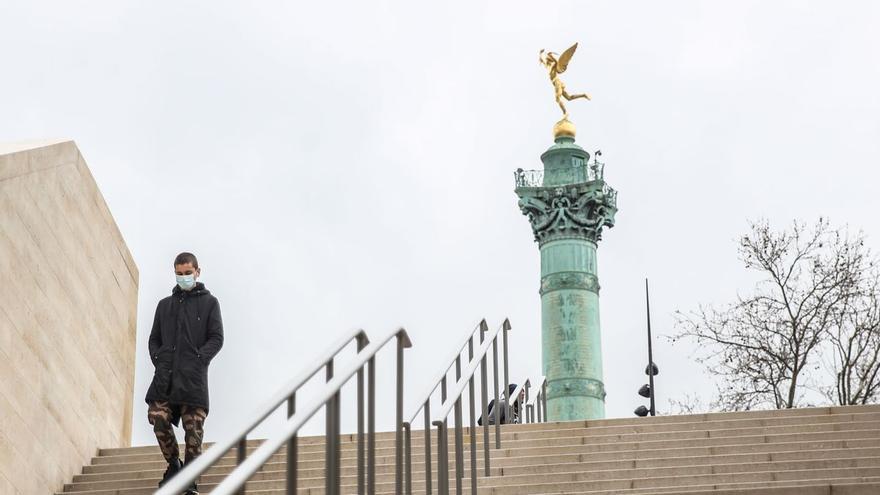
x=343 y=165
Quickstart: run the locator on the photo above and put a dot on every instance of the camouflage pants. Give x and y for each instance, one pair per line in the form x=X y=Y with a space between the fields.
x=160 y=414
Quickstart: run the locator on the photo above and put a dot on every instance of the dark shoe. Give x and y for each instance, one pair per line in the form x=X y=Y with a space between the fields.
x=174 y=467
x=193 y=488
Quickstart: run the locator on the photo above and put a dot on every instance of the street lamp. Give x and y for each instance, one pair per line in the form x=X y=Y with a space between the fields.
x=647 y=390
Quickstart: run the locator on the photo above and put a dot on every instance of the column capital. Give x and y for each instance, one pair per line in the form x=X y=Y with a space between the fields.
x=578 y=211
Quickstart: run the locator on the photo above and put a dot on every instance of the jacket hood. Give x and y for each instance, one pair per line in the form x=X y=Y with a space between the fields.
x=198 y=290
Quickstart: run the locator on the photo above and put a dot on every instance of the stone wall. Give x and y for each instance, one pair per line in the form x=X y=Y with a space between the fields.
x=68 y=304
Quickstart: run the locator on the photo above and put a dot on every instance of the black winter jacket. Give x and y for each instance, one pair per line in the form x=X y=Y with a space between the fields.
x=187 y=333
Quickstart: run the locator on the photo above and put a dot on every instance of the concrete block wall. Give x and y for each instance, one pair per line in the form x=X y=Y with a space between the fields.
x=68 y=304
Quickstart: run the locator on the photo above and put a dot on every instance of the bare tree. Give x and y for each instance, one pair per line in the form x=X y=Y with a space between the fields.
x=855 y=345
x=689 y=404
x=765 y=346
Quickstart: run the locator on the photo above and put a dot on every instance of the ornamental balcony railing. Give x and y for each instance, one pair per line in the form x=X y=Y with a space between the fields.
x=577 y=175
x=611 y=194
x=579 y=172
x=529 y=178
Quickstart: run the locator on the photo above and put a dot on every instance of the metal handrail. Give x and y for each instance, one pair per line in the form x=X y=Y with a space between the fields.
x=286 y=393
x=540 y=401
x=441 y=377
x=453 y=403
x=425 y=406
x=329 y=397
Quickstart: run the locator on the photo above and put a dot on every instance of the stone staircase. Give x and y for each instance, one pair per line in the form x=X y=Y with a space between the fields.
x=815 y=451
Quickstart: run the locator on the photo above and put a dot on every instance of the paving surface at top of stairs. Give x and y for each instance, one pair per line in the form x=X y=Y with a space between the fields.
x=810 y=451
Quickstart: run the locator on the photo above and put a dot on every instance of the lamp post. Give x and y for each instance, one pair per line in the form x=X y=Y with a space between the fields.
x=647 y=390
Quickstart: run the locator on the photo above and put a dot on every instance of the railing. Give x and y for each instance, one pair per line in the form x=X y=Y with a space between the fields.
x=584 y=172
x=516 y=407
x=453 y=404
x=541 y=403
x=441 y=382
x=329 y=399
x=611 y=194
x=529 y=178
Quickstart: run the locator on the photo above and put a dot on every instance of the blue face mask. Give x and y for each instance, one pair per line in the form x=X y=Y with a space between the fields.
x=186 y=282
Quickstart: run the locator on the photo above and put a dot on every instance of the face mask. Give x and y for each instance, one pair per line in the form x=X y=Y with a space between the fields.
x=186 y=282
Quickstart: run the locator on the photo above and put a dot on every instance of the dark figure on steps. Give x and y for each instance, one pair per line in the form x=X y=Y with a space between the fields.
x=187 y=333
x=514 y=416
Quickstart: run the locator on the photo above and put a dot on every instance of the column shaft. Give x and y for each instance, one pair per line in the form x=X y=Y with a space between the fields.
x=572 y=351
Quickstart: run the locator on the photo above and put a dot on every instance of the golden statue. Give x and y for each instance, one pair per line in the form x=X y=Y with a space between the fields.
x=556 y=64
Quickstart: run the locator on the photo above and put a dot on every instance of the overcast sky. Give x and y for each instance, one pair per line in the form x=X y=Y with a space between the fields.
x=344 y=165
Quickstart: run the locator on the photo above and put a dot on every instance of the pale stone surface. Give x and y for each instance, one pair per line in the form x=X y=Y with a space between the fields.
x=68 y=308
x=811 y=451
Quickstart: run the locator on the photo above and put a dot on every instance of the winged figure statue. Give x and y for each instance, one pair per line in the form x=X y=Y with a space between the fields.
x=556 y=64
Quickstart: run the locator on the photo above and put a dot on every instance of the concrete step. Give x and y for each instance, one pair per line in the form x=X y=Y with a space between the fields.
x=565 y=473
x=518 y=476
x=844 y=486
x=665 y=486
x=832 y=449
x=568 y=474
x=540 y=466
x=310 y=479
x=305 y=471
x=642 y=454
x=745 y=443
x=568 y=429
x=573 y=429
x=671 y=438
x=674 y=483
x=777 y=451
x=707 y=417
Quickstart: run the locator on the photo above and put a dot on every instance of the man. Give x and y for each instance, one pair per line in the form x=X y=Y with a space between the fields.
x=511 y=388
x=187 y=333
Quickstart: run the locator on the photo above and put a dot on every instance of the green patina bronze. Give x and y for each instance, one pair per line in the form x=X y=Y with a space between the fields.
x=568 y=204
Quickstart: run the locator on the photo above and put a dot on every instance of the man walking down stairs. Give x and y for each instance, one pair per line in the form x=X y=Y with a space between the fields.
x=812 y=451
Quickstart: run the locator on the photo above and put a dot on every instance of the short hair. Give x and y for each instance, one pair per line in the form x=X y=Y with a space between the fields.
x=184 y=258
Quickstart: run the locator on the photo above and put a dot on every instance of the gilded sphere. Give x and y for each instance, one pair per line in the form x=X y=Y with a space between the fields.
x=563 y=128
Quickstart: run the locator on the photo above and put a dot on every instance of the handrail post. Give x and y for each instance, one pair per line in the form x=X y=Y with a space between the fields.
x=398 y=423
x=240 y=457
x=544 y=398
x=337 y=441
x=371 y=426
x=497 y=408
x=459 y=455
x=428 y=463
x=292 y=450
x=407 y=438
x=506 y=328
x=459 y=443
x=442 y=459
x=540 y=408
x=485 y=400
x=361 y=447
x=330 y=438
x=473 y=422
x=328 y=433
